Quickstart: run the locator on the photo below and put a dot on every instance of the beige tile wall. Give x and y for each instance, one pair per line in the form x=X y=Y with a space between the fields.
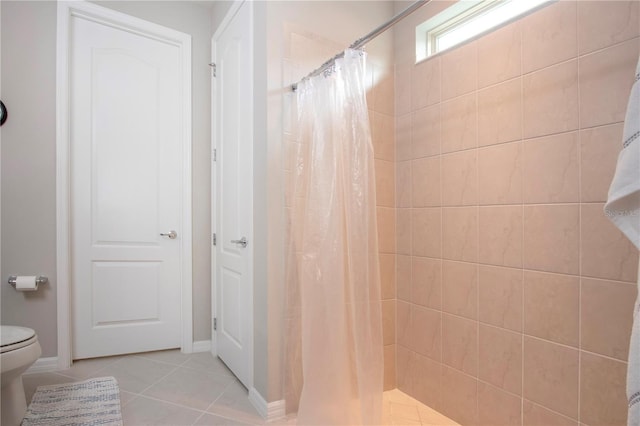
x=380 y=100
x=514 y=291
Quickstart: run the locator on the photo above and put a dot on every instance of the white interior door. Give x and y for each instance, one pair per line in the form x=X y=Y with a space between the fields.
x=233 y=188
x=126 y=189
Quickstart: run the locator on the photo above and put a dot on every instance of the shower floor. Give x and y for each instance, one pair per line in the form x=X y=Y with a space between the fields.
x=401 y=409
x=398 y=409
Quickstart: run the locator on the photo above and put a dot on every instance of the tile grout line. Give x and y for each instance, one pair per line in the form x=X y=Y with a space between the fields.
x=219 y=396
x=160 y=361
x=195 y=422
x=175 y=404
x=522 y=254
x=580 y=221
x=141 y=393
x=564 y=416
x=477 y=237
x=441 y=242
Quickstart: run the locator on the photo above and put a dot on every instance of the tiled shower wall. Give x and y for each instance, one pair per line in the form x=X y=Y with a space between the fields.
x=380 y=100
x=514 y=291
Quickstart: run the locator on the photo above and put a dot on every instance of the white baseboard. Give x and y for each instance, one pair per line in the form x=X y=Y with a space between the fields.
x=50 y=364
x=202 y=346
x=268 y=410
x=43 y=365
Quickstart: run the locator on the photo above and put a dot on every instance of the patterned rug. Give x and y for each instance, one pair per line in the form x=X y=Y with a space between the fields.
x=88 y=403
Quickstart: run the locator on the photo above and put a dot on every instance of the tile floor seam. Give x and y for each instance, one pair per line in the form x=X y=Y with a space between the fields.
x=198 y=419
x=138 y=396
x=222 y=416
x=161 y=401
x=128 y=402
x=156 y=382
x=135 y=395
x=226 y=386
x=65 y=376
x=219 y=396
x=201 y=369
x=208 y=372
x=140 y=356
x=87 y=376
x=99 y=369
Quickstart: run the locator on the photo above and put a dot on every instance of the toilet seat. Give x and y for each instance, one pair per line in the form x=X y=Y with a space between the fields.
x=12 y=338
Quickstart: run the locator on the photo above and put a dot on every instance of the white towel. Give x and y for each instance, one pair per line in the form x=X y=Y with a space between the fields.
x=623 y=209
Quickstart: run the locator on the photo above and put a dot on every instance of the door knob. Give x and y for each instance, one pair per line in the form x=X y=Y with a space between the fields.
x=243 y=242
x=172 y=234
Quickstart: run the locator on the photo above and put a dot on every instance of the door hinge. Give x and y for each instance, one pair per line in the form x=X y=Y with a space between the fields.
x=213 y=68
x=214 y=238
x=215 y=324
x=215 y=154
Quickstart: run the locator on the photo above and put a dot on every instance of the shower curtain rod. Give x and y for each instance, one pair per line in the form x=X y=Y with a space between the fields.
x=367 y=38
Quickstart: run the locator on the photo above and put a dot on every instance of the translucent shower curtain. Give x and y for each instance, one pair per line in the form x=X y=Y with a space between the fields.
x=334 y=348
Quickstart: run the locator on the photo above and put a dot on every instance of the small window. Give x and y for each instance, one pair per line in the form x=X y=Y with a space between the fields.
x=465 y=20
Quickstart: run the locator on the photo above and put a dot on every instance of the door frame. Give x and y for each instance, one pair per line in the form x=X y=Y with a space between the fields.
x=230 y=15
x=112 y=18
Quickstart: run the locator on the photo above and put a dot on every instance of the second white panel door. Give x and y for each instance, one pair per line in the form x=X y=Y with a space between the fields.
x=233 y=261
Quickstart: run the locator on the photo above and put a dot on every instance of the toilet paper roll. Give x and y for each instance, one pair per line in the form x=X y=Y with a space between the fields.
x=26 y=283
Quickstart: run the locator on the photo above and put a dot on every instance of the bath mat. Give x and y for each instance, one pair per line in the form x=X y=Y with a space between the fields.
x=88 y=403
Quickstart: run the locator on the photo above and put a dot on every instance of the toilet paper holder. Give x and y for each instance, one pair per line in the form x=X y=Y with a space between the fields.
x=41 y=279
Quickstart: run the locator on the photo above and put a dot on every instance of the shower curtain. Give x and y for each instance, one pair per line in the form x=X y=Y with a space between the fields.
x=334 y=333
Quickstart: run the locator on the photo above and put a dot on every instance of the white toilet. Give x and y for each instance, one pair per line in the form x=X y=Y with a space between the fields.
x=19 y=349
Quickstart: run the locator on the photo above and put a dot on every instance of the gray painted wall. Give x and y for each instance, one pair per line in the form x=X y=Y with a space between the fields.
x=28 y=83
x=28 y=164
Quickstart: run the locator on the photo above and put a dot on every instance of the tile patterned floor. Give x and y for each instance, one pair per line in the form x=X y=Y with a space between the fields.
x=172 y=388
x=401 y=409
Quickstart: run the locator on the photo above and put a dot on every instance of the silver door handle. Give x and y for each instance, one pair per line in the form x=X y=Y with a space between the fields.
x=243 y=242
x=172 y=234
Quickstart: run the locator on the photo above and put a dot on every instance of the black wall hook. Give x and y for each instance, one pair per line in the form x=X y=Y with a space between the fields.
x=3 y=113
